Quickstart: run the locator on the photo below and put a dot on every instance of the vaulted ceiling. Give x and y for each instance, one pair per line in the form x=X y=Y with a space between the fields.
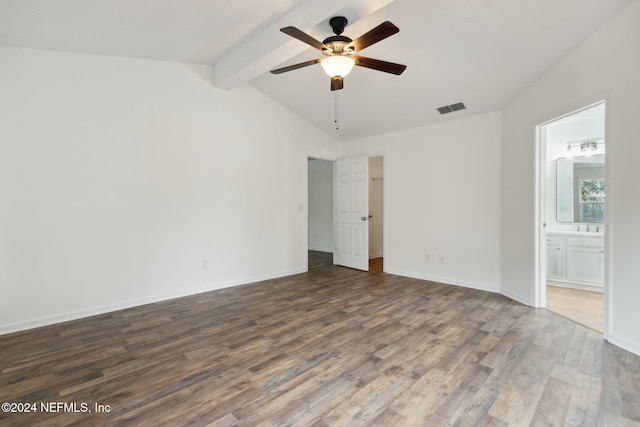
x=480 y=52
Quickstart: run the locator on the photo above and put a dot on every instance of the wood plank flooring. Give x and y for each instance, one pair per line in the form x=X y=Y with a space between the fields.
x=583 y=307
x=329 y=347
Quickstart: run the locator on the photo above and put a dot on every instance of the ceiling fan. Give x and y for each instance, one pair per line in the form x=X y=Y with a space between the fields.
x=339 y=51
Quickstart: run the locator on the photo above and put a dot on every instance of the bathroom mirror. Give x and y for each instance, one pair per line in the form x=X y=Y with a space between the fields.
x=580 y=190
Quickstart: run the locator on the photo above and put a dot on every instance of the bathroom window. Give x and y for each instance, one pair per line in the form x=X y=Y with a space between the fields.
x=592 y=200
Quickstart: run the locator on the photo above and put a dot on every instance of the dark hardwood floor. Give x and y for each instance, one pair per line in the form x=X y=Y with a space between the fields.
x=330 y=347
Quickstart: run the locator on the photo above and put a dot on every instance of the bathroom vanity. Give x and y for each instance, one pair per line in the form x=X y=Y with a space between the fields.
x=575 y=233
x=575 y=259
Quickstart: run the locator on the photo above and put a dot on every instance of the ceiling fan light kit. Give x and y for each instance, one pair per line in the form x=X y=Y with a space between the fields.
x=338 y=66
x=339 y=51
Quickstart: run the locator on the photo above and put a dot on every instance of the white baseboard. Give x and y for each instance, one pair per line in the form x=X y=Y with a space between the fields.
x=321 y=249
x=575 y=285
x=516 y=297
x=444 y=280
x=624 y=344
x=65 y=317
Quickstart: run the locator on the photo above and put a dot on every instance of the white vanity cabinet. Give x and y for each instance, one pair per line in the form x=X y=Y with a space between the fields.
x=585 y=259
x=555 y=257
x=575 y=260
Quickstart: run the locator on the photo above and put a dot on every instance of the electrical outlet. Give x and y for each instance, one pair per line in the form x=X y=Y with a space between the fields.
x=427 y=257
x=205 y=264
x=441 y=258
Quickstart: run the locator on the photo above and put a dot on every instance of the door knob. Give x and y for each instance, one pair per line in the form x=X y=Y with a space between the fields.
x=364 y=218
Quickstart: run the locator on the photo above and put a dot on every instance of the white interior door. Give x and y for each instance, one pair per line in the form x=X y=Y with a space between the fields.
x=352 y=213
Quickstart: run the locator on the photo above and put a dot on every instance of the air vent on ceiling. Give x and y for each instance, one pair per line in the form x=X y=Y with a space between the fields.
x=451 y=108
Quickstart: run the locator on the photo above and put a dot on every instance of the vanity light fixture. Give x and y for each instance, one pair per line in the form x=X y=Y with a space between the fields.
x=589 y=146
x=585 y=147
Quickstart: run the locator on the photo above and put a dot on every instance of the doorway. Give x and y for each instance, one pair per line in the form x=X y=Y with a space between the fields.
x=571 y=207
x=321 y=203
x=376 y=214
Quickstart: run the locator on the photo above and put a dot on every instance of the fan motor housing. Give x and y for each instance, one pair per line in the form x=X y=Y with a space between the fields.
x=336 y=45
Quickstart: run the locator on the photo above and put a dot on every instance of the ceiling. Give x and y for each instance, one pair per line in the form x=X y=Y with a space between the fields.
x=480 y=52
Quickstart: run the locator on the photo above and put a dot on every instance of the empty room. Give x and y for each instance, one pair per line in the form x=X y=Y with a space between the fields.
x=320 y=213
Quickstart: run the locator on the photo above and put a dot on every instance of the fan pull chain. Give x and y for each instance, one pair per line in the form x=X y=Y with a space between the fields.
x=335 y=120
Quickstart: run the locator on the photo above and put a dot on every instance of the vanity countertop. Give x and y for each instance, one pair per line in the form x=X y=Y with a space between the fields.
x=578 y=233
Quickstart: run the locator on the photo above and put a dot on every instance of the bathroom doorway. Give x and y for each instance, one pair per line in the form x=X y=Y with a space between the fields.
x=572 y=191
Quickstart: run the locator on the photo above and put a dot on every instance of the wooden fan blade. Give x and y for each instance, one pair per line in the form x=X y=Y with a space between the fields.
x=376 y=64
x=337 y=83
x=380 y=32
x=303 y=37
x=295 y=66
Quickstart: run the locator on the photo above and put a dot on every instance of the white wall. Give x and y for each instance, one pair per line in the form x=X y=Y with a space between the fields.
x=605 y=65
x=119 y=176
x=320 y=205
x=376 y=206
x=442 y=196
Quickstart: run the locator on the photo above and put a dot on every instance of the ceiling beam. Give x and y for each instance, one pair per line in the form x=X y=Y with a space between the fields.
x=271 y=48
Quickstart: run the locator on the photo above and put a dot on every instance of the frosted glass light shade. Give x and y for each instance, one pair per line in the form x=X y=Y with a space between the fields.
x=338 y=65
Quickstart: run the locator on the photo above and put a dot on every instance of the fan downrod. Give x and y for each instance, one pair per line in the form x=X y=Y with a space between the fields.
x=337 y=24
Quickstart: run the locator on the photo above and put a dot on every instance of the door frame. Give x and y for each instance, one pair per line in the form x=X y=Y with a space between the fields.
x=312 y=155
x=539 y=225
x=385 y=198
